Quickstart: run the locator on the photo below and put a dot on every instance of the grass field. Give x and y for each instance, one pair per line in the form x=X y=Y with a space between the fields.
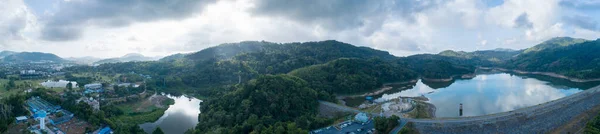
x=100 y=76
x=22 y=85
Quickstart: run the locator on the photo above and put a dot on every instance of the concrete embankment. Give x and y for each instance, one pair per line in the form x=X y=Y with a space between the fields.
x=543 y=118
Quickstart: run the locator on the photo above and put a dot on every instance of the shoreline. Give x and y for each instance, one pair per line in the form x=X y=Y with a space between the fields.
x=453 y=77
x=384 y=88
x=555 y=75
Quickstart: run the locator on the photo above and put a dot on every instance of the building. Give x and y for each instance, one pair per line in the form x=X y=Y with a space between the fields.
x=41 y=117
x=361 y=117
x=91 y=88
x=21 y=119
x=27 y=71
x=105 y=130
x=90 y=101
x=36 y=104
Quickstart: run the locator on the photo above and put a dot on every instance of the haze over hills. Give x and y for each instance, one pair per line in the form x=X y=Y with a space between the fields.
x=126 y=58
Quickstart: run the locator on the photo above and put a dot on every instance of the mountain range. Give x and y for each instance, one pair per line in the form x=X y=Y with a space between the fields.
x=39 y=57
x=278 y=84
x=126 y=58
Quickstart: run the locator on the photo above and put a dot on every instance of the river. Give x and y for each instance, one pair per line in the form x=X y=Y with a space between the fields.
x=180 y=117
x=484 y=94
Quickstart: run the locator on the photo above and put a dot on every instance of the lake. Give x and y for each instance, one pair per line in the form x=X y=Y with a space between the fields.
x=484 y=94
x=180 y=117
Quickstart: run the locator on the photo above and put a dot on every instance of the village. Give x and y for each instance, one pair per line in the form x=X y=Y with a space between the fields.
x=53 y=118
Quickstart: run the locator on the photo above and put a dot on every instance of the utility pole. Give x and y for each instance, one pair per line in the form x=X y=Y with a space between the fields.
x=460 y=111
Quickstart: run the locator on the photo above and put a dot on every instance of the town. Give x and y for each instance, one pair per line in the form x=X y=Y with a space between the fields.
x=49 y=94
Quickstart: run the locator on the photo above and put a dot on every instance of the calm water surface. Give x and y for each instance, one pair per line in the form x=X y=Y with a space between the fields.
x=180 y=116
x=488 y=93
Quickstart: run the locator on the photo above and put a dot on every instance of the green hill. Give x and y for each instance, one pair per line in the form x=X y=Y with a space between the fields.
x=23 y=57
x=353 y=75
x=436 y=66
x=553 y=43
x=268 y=104
x=580 y=60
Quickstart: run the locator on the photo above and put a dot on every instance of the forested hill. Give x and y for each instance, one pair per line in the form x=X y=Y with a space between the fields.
x=268 y=104
x=436 y=66
x=32 y=57
x=573 y=57
x=353 y=75
x=580 y=60
x=483 y=57
x=321 y=51
x=553 y=43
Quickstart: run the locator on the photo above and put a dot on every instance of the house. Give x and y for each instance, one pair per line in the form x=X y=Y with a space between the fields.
x=91 y=88
x=21 y=119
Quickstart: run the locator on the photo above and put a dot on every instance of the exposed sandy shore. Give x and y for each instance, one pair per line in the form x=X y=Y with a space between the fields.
x=555 y=75
x=464 y=76
x=385 y=87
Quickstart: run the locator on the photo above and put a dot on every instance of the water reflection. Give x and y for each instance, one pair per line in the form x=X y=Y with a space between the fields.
x=487 y=94
x=180 y=116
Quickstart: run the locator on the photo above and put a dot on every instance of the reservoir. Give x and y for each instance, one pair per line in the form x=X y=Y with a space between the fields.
x=484 y=94
x=180 y=117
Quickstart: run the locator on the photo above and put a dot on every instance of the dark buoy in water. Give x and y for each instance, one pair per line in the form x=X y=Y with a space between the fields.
x=460 y=113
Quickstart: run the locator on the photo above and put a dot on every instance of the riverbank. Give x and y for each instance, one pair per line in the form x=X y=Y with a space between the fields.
x=555 y=75
x=453 y=77
x=385 y=87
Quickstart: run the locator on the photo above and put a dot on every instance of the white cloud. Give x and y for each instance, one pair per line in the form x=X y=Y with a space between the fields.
x=402 y=27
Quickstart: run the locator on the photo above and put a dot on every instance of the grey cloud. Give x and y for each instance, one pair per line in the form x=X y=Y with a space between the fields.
x=581 y=4
x=523 y=21
x=343 y=14
x=408 y=45
x=68 y=22
x=584 y=22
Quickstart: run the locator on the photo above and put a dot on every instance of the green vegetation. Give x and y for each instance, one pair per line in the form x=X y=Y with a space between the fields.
x=408 y=129
x=352 y=75
x=480 y=58
x=593 y=126
x=421 y=111
x=435 y=66
x=10 y=108
x=580 y=60
x=554 y=43
x=386 y=125
x=31 y=56
x=268 y=104
x=158 y=131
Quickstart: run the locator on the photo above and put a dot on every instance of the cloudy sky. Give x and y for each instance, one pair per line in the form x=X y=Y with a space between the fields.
x=110 y=28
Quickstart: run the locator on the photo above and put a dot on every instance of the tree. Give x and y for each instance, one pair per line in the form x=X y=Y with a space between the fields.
x=385 y=125
x=158 y=131
x=11 y=84
x=70 y=86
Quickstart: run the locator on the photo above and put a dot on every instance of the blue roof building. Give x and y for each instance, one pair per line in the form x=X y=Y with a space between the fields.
x=105 y=130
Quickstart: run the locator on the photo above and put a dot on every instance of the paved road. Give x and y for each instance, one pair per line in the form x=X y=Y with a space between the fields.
x=340 y=107
x=536 y=119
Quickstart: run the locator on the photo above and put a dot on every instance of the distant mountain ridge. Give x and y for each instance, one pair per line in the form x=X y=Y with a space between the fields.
x=553 y=43
x=28 y=57
x=126 y=58
x=6 y=53
x=572 y=57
